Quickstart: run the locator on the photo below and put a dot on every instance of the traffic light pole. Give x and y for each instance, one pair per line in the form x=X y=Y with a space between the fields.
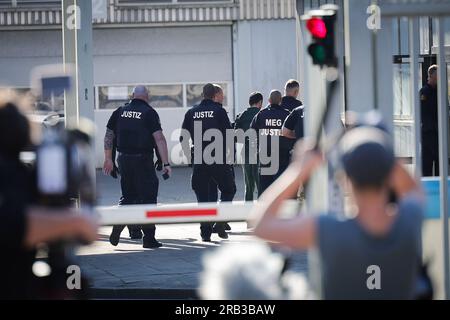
x=323 y=100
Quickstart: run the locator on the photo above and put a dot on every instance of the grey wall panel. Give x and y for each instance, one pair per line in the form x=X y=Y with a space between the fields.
x=270 y=49
x=151 y=55
x=21 y=51
x=159 y=55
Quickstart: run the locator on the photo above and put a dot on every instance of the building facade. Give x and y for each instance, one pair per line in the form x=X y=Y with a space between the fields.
x=174 y=47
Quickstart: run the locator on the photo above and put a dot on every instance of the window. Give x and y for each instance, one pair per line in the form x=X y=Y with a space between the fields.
x=402 y=97
x=30 y=3
x=54 y=103
x=161 y=95
x=112 y=97
x=166 y=96
x=174 y=2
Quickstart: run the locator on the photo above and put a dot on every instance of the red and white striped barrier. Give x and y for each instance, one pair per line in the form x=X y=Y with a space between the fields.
x=174 y=213
x=179 y=213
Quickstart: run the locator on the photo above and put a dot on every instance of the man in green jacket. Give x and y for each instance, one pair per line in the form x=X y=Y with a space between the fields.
x=242 y=122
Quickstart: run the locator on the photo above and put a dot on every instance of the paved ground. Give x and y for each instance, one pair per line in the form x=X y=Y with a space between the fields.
x=128 y=267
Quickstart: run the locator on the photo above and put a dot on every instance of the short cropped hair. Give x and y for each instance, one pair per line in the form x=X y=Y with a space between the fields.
x=432 y=70
x=217 y=88
x=209 y=91
x=255 y=98
x=292 y=84
x=275 y=97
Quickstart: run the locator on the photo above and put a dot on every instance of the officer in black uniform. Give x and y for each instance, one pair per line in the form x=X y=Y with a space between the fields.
x=110 y=148
x=209 y=115
x=429 y=116
x=291 y=92
x=213 y=188
x=268 y=123
x=219 y=98
x=110 y=167
x=293 y=127
x=138 y=133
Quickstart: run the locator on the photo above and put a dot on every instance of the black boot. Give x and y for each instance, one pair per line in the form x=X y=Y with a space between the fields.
x=220 y=229
x=114 y=238
x=206 y=237
x=226 y=226
x=135 y=233
x=152 y=244
x=205 y=231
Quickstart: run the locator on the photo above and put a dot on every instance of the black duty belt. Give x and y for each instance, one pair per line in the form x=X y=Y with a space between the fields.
x=133 y=154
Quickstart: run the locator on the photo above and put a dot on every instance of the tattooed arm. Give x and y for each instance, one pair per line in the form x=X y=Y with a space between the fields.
x=108 y=165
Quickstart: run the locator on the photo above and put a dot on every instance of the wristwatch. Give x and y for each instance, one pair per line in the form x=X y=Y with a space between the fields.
x=166 y=165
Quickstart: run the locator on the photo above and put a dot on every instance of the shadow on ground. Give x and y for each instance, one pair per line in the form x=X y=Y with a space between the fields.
x=175 y=266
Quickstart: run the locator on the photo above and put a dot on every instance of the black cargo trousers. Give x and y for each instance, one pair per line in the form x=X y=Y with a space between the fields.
x=430 y=154
x=139 y=185
x=223 y=176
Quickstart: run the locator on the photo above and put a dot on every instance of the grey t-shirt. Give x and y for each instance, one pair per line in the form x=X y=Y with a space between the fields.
x=350 y=256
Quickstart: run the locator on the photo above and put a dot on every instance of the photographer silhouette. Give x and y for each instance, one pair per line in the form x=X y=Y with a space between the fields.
x=25 y=225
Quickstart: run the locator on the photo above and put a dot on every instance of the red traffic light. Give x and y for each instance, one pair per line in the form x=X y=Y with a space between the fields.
x=317 y=28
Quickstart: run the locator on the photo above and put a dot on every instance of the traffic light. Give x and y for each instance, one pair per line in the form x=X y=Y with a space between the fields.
x=321 y=26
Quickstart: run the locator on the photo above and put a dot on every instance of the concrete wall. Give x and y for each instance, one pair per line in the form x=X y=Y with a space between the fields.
x=265 y=57
x=20 y=52
x=132 y=55
x=161 y=55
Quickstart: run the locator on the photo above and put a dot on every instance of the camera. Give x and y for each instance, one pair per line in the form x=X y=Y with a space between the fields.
x=65 y=171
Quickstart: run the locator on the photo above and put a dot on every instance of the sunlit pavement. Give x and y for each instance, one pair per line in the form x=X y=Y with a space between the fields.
x=175 y=266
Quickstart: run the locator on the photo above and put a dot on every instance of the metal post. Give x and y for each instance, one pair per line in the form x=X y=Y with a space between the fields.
x=443 y=152
x=360 y=97
x=336 y=110
x=314 y=92
x=77 y=53
x=69 y=59
x=374 y=48
x=85 y=65
x=414 y=85
x=384 y=89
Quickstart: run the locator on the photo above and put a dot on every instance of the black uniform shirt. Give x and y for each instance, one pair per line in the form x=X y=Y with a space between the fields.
x=295 y=122
x=136 y=124
x=428 y=109
x=16 y=193
x=210 y=115
x=269 y=122
x=290 y=103
x=112 y=122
